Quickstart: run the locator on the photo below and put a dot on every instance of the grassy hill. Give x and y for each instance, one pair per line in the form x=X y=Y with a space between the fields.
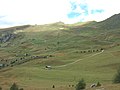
x=73 y=51
x=110 y=23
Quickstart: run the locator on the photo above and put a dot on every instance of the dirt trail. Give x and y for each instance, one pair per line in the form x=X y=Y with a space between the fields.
x=78 y=60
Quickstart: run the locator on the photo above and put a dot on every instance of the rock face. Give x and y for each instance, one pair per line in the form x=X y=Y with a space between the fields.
x=7 y=37
x=7 y=34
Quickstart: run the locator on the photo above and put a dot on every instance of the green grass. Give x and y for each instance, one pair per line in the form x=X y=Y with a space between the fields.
x=65 y=46
x=100 y=68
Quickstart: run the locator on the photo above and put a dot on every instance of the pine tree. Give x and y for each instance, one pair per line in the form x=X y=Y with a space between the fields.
x=81 y=85
x=14 y=87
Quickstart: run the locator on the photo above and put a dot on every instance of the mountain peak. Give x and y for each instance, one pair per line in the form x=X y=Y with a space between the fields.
x=112 y=22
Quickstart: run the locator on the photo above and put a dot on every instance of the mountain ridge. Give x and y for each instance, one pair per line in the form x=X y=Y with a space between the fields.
x=112 y=22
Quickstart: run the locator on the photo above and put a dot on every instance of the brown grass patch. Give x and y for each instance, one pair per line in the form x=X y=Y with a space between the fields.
x=117 y=53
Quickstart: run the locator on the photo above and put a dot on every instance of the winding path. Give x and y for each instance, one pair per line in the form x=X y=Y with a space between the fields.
x=77 y=60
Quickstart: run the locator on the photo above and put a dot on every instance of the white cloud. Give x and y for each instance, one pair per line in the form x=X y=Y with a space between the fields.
x=34 y=11
x=19 y=12
x=109 y=7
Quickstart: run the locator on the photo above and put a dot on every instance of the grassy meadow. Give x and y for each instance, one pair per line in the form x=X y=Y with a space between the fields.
x=75 y=53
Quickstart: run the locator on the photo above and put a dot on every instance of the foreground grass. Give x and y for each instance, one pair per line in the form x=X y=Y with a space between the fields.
x=33 y=74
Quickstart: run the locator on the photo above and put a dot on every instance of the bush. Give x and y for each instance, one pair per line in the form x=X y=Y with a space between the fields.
x=0 y=88
x=21 y=89
x=117 y=77
x=53 y=86
x=98 y=84
x=81 y=85
x=14 y=87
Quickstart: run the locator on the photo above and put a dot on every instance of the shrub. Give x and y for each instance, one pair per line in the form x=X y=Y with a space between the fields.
x=101 y=49
x=98 y=84
x=117 y=77
x=14 y=87
x=21 y=89
x=53 y=86
x=84 y=51
x=0 y=88
x=72 y=85
x=81 y=85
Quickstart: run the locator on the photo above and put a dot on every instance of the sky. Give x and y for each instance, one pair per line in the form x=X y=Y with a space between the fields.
x=21 y=12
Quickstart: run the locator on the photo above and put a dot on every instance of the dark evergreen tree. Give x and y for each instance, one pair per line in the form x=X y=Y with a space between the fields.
x=14 y=87
x=81 y=85
x=53 y=86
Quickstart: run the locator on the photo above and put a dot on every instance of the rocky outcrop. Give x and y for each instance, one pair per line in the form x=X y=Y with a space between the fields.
x=7 y=37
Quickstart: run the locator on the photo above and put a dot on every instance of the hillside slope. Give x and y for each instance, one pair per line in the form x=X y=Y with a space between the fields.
x=83 y=50
x=112 y=22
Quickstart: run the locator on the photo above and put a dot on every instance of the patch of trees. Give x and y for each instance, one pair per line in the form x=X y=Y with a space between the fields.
x=21 y=60
x=90 y=51
x=82 y=85
x=112 y=46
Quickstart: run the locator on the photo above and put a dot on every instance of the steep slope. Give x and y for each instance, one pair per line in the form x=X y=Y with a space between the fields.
x=112 y=22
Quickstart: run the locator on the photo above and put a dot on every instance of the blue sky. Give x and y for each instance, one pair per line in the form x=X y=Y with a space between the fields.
x=20 y=12
x=83 y=7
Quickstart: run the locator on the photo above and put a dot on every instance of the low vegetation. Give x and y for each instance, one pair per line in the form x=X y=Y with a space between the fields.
x=81 y=85
x=14 y=87
x=117 y=77
x=55 y=56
